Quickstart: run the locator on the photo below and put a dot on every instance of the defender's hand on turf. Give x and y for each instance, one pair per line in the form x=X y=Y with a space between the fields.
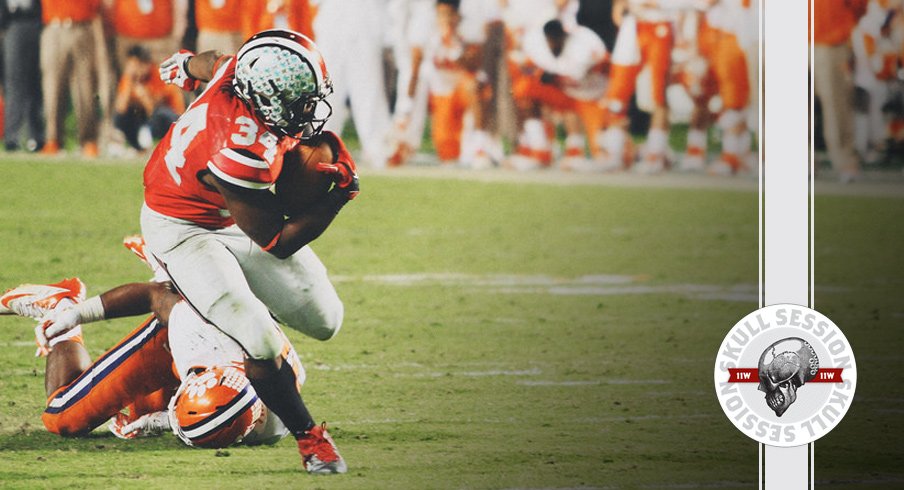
x=55 y=323
x=174 y=70
x=151 y=424
x=58 y=322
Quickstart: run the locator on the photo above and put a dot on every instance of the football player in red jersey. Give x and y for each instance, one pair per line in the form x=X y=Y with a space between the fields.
x=212 y=222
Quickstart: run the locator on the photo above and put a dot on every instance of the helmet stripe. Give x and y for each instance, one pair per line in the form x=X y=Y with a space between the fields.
x=223 y=416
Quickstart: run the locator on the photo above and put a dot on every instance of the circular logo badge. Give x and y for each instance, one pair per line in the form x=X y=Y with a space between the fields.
x=785 y=375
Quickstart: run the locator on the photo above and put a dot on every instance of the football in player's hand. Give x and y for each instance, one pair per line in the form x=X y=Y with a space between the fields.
x=300 y=184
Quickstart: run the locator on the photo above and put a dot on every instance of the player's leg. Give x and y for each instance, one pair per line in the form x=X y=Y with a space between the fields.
x=297 y=290
x=731 y=72
x=471 y=97
x=67 y=359
x=367 y=99
x=53 y=68
x=656 y=41
x=615 y=140
x=534 y=148
x=445 y=127
x=699 y=79
x=84 y=89
x=137 y=366
x=209 y=277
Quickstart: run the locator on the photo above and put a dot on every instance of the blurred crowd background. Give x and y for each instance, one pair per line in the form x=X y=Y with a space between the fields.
x=584 y=85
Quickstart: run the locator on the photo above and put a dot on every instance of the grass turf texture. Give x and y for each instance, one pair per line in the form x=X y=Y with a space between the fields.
x=469 y=370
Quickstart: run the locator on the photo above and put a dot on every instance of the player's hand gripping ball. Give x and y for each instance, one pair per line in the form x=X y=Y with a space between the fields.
x=301 y=183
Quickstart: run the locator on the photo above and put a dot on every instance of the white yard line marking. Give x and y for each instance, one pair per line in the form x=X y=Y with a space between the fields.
x=588 y=285
x=471 y=374
x=595 y=382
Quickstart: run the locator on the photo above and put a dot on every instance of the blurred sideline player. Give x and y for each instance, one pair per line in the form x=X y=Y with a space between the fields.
x=410 y=24
x=876 y=46
x=564 y=74
x=645 y=40
x=481 y=24
x=224 y=238
x=522 y=17
x=448 y=73
x=144 y=106
x=350 y=36
x=174 y=372
x=69 y=64
x=720 y=67
x=449 y=68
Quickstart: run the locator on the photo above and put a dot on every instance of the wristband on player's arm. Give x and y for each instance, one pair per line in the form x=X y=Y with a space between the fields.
x=90 y=310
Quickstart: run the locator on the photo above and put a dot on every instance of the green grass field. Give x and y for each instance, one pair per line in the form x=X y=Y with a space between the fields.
x=497 y=335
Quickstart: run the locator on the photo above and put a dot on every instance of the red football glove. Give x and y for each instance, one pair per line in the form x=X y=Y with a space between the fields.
x=174 y=70
x=343 y=171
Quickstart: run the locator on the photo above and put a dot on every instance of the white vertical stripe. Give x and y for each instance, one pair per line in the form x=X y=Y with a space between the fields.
x=785 y=186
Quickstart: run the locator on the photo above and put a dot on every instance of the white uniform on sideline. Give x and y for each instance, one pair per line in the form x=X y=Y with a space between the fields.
x=350 y=37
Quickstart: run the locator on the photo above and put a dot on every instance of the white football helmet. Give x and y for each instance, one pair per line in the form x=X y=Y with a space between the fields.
x=214 y=408
x=282 y=75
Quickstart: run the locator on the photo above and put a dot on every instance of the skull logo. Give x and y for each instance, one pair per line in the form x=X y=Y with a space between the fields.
x=784 y=367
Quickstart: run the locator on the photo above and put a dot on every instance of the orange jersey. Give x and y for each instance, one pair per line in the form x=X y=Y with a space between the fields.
x=169 y=95
x=219 y=134
x=144 y=19
x=834 y=20
x=259 y=15
x=219 y=15
x=79 y=11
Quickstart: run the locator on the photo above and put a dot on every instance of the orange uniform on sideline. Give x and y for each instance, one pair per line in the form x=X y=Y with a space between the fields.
x=834 y=20
x=452 y=90
x=259 y=15
x=579 y=82
x=146 y=19
x=640 y=43
x=67 y=10
x=726 y=57
x=219 y=15
x=137 y=371
x=447 y=112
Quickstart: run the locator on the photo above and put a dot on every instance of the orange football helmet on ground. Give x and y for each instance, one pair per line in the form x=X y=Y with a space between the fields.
x=215 y=408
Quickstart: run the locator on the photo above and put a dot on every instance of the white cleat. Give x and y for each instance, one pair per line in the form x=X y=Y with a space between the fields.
x=650 y=165
x=522 y=163
x=35 y=300
x=693 y=162
x=580 y=165
x=720 y=168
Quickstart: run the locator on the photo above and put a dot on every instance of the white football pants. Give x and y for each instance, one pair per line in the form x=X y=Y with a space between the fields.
x=235 y=285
